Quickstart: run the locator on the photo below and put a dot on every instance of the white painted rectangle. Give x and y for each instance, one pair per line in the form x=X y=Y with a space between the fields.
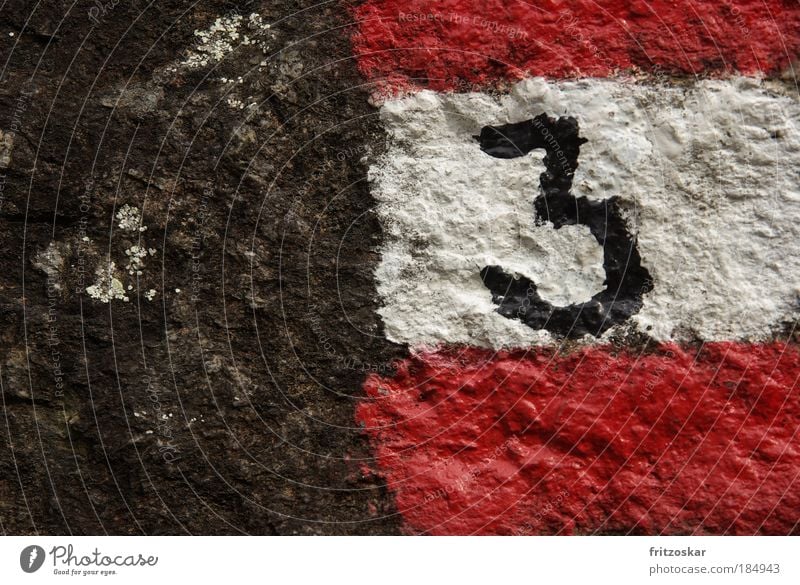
x=711 y=171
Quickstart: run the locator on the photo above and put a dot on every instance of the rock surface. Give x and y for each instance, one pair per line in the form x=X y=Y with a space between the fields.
x=219 y=397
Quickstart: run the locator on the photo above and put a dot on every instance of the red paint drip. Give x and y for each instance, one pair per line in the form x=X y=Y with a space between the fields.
x=477 y=442
x=452 y=44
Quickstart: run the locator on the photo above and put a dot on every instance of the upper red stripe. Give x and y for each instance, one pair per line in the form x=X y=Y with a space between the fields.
x=451 y=44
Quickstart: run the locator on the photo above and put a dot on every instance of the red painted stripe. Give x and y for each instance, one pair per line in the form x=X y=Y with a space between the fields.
x=678 y=441
x=449 y=43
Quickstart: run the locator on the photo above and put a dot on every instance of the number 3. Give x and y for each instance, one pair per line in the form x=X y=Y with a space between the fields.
x=626 y=280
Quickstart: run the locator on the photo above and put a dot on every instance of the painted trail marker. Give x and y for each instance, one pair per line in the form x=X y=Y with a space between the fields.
x=443 y=45
x=529 y=232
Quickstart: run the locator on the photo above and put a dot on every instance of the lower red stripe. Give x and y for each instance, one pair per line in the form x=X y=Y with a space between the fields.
x=530 y=442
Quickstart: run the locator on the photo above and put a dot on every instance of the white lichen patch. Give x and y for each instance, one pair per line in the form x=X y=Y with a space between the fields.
x=129 y=219
x=6 y=146
x=136 y=256
x=107 y=287
x=235 y=103
x=150 y=295
x=224 y=36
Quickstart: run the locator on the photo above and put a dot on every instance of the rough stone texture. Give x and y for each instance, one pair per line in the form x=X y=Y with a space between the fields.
x=454 y=44
x=219 y=398
x=672 y=441
x=225 y=403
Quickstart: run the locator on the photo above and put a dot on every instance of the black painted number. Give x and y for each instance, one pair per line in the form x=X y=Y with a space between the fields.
x=626 y=280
